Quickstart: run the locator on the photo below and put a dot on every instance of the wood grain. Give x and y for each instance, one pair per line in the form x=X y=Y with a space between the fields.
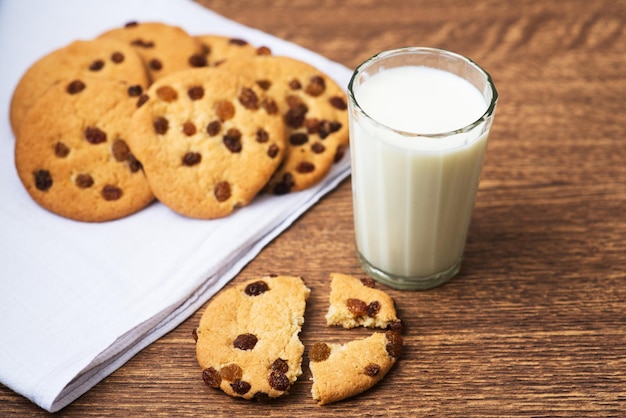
x=535 y=324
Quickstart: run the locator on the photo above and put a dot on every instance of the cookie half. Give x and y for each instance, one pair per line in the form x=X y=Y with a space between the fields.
x=356 y=303
x=219 y=49
x=340 y=371
x=314 y=110
x=98 y=58
x=164 y=48
x=72 y=155
x=247 y=340
x=208 y=139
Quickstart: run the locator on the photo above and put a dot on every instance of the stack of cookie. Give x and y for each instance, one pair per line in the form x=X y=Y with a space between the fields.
x=201 y=123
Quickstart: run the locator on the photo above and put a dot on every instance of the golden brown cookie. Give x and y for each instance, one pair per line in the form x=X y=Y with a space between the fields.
x=247 y=340
x=314 y=110
x=164 y=48
x=356 y=303
x=218 y=49
x=99 y=58
x=71 y=152
x=340 y=371
x=208 y=139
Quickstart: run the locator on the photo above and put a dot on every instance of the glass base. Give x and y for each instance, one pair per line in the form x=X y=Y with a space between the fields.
x=409 y=283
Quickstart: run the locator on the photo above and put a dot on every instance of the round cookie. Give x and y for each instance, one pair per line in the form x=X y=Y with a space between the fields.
x=209 y=141
x=219 y=49
x=340 y=371
x=356 y=303
x=164 y=48
x=314 y=110
x=71 y=152
x=99 y=58
x=247 y=340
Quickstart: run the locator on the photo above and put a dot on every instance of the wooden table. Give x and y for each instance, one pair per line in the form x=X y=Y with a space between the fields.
x=535 y=324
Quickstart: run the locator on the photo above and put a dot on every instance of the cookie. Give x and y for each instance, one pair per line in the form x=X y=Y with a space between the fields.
x=208 y=139
x=340 y=371
x=99 y=58
x=356 y=303
x=164 y=48
x=314 y=110
x=218 y=49
x=247 y=340
x=71 y=152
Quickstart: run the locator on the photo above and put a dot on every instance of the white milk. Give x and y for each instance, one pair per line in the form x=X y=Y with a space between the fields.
x=413 y=196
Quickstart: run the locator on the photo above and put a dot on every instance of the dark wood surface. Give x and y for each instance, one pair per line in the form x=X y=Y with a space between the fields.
x=535 y=324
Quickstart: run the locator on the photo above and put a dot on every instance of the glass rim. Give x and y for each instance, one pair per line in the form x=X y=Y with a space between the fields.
x=411 y=49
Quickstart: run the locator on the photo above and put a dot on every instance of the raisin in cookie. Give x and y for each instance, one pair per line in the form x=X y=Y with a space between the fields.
x=71 y=152
x=209 y=141
x=314 y=110
x=340 y=371
x=99 y=58
x=355 y=303
x=164 y=48
x=247 y=340
x=218 y=49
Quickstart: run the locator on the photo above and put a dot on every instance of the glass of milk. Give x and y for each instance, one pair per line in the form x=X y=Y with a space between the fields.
x=419 y=121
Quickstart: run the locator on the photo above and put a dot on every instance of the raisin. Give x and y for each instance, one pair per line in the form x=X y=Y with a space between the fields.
x=312 y=125
x=214 y=128
x=316 y=86
x=167 y=94
x=237 y=41
x=294 y=101
x=295 y=84
x=194 y=334
x=134 y=164
x=263 y=50
x=75 y=86
x=318 y=148
x=357 y=307
x=211 y=377
x=224 y=110
x=131 y=24
x=142 y=44
x=195 y=92
x=248 y=99
x=142 y=99
x=280 y=365
x=262 y=135
x=97 y=65
x=245 y=341
x=368 y=282
x=395 y=326
x=261 y=397
x=273 y=150
x=221 y=191
x=264 y=84
x=256 y=288
x=61 y=150
x=94 y=135
x=232 y=140
x=270 y=106
x=394 y=343
x=43 y=180
x=278 y=380
x=191 y=158
x=198 y=60
x=120 y=150
x=240 y=387
x=110 y=192
x=326 y=128
x=161 y=125
x=117 y=57
x=305 y=167
x=285 y=184
x=339 y=153
x=319 y=352
x=231 y=372
x=155 y=64
x=189 y=128
x=298 y=138
x=373 y=308
x=84 y=181
x=135 y=91
x=372 y=370
x=338 y=103
x=294 y=117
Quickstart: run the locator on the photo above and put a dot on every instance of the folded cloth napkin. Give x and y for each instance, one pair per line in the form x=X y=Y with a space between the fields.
x=78 y=300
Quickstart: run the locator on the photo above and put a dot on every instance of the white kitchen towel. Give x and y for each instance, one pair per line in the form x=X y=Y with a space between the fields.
x=78 y=300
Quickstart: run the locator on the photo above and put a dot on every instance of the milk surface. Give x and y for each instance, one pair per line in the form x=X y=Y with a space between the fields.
x=413 y=196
